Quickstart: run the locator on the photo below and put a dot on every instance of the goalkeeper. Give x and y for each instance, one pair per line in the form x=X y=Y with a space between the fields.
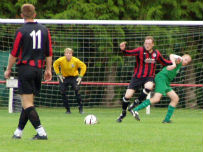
x=162 y=81
x=69 y=75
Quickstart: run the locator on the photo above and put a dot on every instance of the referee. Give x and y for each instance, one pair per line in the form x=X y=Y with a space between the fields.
x=69 y=75
x=31 y=48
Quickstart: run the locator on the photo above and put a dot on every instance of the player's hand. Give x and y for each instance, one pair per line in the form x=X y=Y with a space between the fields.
x=178 y=60
x=123 y=45
x=60 y=77
x=47 y=75
x=7 y=74
x=79 y=79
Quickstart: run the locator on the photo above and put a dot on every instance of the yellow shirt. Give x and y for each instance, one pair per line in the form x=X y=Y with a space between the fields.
x=69 y=68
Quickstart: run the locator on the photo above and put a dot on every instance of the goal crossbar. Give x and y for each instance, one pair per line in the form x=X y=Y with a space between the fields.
x=107 y=22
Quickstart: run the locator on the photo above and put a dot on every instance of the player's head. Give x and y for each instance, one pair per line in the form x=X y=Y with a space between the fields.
x=186 y=59
x=149 y=43
x=68 y=52
x=28 y=11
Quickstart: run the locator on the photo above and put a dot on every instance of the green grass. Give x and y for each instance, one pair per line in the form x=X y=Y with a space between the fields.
x=68 y=133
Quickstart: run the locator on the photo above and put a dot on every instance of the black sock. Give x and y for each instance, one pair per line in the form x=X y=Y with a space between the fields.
x=33 y=117
x=65 y=102
x=78 y=98
x=125 y=103
x=22 y=120
x=144 y=94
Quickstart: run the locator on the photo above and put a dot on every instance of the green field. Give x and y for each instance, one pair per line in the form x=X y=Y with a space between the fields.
x=68 y=133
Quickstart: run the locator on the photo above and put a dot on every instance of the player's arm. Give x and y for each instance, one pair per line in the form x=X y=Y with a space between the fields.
x=56 y=66
x=47 y=73
x=162 y=60
x=11 y=62
x=14 y=54
x=83 y=68
x=49 y=54
x=175 y=59
x=134 y=52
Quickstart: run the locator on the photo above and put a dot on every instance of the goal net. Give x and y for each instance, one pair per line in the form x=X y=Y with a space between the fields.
x=108 y=72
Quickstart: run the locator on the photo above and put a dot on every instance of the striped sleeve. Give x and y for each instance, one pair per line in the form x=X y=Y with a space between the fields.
x=134 y=52
x=162 y=60
x=49 y=51
x=16 y=47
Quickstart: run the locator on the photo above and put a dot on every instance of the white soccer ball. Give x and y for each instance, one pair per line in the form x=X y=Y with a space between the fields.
x=90 y=119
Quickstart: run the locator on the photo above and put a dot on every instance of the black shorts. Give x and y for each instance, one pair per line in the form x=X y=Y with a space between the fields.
x=71 y=80
x=136 y=83
x=29 y=79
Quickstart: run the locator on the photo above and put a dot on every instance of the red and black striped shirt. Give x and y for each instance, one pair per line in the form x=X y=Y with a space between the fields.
x=32 y=44
x=146 y=62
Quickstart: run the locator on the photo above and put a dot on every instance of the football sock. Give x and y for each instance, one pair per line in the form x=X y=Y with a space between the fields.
x=33 y=116
x=125 y=103
x=23 y=120
x=144 y=94
x=18 y=132
x=65 y=101
x=142 y=105
x=40 y=130
x=169 y=113
x=78 y=98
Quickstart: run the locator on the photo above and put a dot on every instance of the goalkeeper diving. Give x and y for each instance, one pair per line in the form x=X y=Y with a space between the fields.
x=70 y=71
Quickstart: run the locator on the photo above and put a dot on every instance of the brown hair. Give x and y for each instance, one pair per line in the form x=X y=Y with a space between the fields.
x=28 y=11
x=149 y=37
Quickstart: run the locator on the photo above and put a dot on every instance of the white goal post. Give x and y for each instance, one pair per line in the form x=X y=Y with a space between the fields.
x=96 y=42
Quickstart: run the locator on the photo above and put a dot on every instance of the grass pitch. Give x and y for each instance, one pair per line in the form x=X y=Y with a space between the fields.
x=68 y=133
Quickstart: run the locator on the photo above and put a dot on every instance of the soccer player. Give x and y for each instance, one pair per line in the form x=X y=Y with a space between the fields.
x=162 y=86
x=144 y=72
x=31 y=48
x=69 y=75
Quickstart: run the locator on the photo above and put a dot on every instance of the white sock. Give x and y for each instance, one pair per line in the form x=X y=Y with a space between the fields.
x=41 y=131
x=18 y=132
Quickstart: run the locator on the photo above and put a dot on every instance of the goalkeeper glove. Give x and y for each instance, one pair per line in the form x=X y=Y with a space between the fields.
x=79 y=79
x=60 y=78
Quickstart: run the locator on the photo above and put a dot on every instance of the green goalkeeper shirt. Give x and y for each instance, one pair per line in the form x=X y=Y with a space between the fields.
x=170 y=74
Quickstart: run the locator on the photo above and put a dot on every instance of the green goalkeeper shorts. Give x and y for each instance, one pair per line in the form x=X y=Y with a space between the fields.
x=162 y=85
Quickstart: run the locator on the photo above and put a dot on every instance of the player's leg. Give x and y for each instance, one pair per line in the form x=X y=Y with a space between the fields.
x=63 y=86
x=155 y=99
x=76 y=87
x=30 y=111
x=21 y=125
x=148 y=86
x=21 y=88
x=125 y=102
x=174 y=101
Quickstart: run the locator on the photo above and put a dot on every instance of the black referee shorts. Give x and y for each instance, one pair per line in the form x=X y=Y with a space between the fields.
x=71 y=80
x=29 y=79
x=136 y=83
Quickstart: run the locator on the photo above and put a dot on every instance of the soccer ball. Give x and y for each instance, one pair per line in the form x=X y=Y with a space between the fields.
x=90 y=120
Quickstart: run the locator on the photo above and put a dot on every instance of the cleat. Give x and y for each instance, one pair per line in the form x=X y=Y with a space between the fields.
x=135 y=115
x=132 y=105
x=166 y=121
x=38 y=137
x=122 y=115
x=16 y=137
x=68 y=111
